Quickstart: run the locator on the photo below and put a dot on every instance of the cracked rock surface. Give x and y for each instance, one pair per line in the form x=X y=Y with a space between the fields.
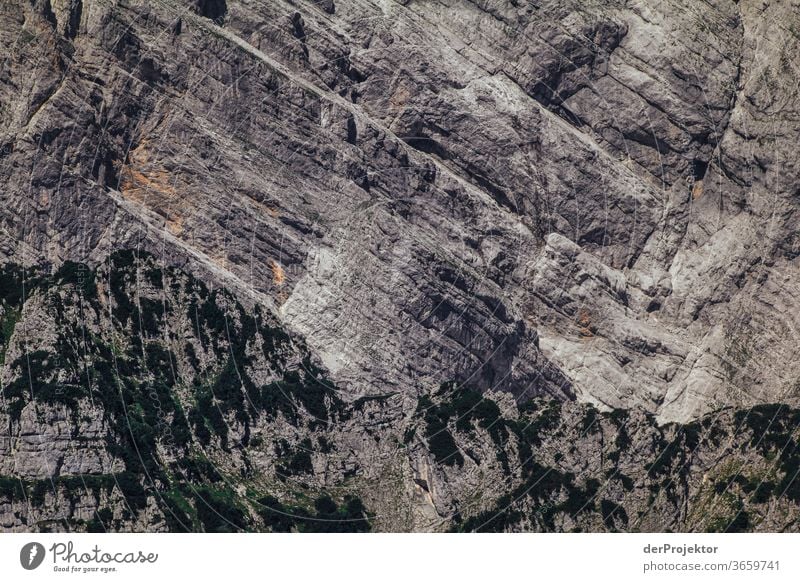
x=590 y=203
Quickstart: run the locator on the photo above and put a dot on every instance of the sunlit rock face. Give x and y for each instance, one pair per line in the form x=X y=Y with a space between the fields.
x=356 y=212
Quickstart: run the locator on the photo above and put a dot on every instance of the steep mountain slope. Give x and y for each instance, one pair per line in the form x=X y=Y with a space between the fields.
x=443 y=236
x=134 y=397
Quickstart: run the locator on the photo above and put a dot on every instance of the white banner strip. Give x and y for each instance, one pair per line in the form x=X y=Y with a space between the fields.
x=415 y=557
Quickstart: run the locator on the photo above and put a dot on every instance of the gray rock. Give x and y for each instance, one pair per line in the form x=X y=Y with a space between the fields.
x=592 y=201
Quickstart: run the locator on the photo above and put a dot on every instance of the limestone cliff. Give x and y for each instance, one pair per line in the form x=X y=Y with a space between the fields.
x=399 y=264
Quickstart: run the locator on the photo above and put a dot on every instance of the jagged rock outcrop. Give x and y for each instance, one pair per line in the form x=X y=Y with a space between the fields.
x=578 y=201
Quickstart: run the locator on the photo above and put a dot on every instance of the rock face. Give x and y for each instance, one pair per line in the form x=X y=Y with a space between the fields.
x=433 y=248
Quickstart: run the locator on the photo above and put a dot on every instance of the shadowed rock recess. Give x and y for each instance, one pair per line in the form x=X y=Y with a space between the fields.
x=399 y=265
